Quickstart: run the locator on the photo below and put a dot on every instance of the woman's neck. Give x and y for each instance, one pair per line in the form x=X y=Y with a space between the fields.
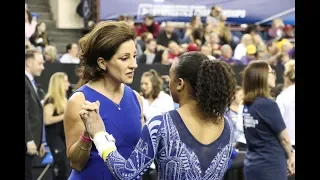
x=191 y=107
x=107 y=84
x=151 y=98
x=147 y=51
x=234 y=107
x=72 y=55
x=288 y=84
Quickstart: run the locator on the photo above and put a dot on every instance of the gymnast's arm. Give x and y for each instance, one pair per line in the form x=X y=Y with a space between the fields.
x=78 y=151
x=140 y=159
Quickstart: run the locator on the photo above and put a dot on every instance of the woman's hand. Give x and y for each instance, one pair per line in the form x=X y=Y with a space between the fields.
x=291 y=164
x=91 y=118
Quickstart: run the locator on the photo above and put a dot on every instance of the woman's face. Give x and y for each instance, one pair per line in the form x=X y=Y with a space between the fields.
x=273 y=49
x=247 y=40
x=271 y=78
x=239 y=96
x=286 y=47
x=261 y=55
x=47 y=56
x=286 y=80
x=198 y=21
x=66 y=83
x=208 y=28
x=122 y=65
x=257 y=39
x=42 y=27
x=165 y=58
x=214 y=38
x=146 y=85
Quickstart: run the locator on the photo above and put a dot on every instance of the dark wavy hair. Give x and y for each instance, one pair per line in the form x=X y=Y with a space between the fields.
x=103 y=41
x=213 y=82
x=156 y=82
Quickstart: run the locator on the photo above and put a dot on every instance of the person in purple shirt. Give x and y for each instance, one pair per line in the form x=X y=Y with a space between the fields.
x=292 y=53
x=251 y=55
x=226 y=55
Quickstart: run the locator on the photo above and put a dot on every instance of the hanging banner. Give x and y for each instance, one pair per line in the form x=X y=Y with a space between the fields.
x=236 y=11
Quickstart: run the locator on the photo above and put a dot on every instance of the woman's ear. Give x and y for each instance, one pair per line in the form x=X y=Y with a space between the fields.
x=102 y=63
x=180 y=84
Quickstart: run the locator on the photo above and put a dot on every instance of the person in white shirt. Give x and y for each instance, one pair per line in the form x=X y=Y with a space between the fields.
x=155 y=101
x=286 y=99
x=235 y=116
x=71 y=57
x=241 y=48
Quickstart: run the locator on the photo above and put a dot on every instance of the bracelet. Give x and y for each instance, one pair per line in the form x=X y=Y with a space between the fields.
x=83 y=148
x=85 y=139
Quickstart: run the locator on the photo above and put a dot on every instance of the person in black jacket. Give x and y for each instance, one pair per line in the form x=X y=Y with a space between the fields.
x=34 y=134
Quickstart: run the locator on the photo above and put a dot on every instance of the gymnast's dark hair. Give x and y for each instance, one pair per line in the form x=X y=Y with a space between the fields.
x=213 y=82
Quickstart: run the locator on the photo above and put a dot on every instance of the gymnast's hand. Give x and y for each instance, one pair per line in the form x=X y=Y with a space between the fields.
x=91 y=118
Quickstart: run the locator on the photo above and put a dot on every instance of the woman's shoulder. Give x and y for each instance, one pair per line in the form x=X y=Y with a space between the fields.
x=48 y=100
x=156 y=121
x=163 y=95
x=263 y=102
x=133 y=93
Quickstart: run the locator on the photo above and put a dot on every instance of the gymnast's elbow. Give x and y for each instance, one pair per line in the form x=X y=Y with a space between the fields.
x=76 y=166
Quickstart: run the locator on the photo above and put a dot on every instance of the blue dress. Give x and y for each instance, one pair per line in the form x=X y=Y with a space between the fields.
x=124 y=125
x=179 y=155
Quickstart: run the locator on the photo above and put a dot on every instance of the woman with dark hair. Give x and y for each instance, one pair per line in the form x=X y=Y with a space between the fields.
x=40 y=36
x=275 y=91
x=269 y=151
x=192 y=142
x=162 y=57
x=155 y=101
x=107 y=64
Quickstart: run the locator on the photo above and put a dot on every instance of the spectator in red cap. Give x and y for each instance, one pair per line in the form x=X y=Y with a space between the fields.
x=192 y=47
x=288 y=31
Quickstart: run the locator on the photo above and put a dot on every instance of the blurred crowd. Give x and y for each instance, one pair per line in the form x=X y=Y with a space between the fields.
x=36 y=37
x=162 y=43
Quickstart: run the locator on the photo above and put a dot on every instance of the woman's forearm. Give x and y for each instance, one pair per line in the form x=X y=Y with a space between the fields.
x=79 y=154
x=286 y=145
x=285 y=142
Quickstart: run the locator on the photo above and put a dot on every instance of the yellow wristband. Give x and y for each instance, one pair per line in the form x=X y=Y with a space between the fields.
x=106 y=152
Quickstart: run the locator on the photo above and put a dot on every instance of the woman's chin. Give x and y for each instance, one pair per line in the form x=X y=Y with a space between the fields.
x=128 y=81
